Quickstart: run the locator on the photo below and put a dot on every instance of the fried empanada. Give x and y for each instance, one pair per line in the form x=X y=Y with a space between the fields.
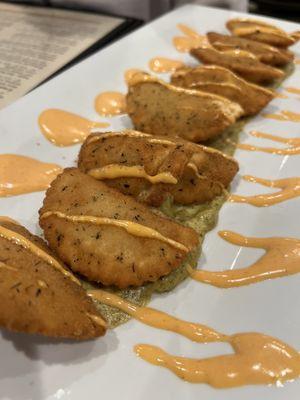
x=151 y=168
x=109 y=237
x=260 y=31
x=161 y=109
x=222 y=81
x=264 y=52
x=37 y=293
x=239 y=61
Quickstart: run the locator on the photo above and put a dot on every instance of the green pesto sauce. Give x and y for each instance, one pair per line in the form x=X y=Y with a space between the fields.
x=201 y=217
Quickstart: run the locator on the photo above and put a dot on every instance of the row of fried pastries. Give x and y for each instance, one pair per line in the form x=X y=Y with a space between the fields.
x=96 y=218
x=201 y=102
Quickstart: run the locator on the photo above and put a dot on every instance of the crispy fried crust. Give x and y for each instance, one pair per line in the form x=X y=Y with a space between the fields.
x=158 y=108
x=249 y=68
x=222 y=81
x=105 y=253
x=214 y=170
x=264 y=52
x=261 y=32
x=37 y=298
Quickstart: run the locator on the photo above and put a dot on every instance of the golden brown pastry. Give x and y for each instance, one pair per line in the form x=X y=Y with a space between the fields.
x=242 y=63
x=264 y=52
x=37 y=296
x=223 y=82
x=109 y=237
x=150 y=168
x=161 y=109
x=260 y=31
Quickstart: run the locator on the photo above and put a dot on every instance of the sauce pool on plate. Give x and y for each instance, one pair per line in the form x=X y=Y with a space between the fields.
x=21 y=174
x=63 y=128
x=162 y=64
x=110 y=103
x=129 y=73
x=257 y=359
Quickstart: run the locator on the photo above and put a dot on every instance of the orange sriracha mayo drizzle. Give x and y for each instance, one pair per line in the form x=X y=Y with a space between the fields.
x=158 y=319
x=190 y=40
x=290 y=188
x=97 y=320
x=292 y=149
x=282 y=258
x=21 y=174
x=162 y=64
x=110 y=103
x=257 y=358
x=129 y=73
x=284 y=116
x=280 y=95
x=63 y=128
x=131 y=227
x=113 y=171
x=292 y=90
x=22 y=241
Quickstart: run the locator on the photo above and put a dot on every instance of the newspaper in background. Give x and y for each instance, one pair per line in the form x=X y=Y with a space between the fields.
x=35 y=42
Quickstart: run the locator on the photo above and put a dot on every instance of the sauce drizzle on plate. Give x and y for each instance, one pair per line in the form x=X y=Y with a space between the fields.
x=292 y=90
x=282 y=258
x=284 y=116
x=162 y=64
x=290 y=188
x=257 y=358
x=191 y=40
x=158 y=319
x=293 y=149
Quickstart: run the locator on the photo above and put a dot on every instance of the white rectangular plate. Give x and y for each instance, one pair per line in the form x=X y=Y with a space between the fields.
x=37 y=368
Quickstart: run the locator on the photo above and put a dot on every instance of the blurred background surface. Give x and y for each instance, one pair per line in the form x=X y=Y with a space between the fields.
x=148 y=9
